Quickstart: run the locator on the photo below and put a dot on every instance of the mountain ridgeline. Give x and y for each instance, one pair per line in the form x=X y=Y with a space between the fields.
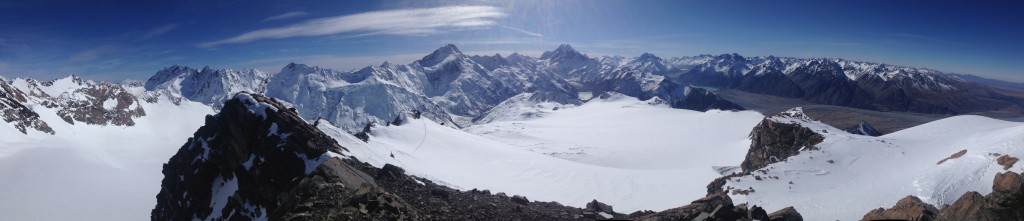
x=450 y=87
x=454 y=88
x=446 y=85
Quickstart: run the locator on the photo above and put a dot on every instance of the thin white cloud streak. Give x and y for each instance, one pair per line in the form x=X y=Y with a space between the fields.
x=388 y=22
x=524 y=31
x=161 y=30
x=288 y=15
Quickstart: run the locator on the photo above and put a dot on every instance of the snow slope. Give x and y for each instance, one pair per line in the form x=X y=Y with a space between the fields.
x=620 y=150
x=92 y=172
x=871 y=172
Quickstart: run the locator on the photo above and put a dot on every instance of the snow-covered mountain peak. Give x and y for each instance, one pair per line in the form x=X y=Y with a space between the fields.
x=731 y=57
x=167 y=74
x=564 y=52
x=648 y=57
x=442 y=55
x=646 y=63
x=207 y=85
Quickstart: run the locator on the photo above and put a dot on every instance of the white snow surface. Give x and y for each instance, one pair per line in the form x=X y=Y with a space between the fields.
x=621 y=151
x=222 y=189
x=871 y=172
x=520 y=107
x=92 y=172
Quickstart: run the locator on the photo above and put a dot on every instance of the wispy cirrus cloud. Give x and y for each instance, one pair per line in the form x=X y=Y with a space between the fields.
x=288 y=15
x=424 y=21
x=534 y=34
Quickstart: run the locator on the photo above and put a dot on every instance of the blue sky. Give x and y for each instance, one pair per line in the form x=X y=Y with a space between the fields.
x=115 y=40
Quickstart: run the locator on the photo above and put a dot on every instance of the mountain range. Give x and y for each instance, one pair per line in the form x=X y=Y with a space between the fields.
x=456 y=89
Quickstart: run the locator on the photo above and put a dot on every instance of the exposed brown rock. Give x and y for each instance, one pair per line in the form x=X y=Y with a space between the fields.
x=954 y=156
x=971 y=204
x=1006 y=161
x=1006 y=202
x=908 y=208
x=773 y=141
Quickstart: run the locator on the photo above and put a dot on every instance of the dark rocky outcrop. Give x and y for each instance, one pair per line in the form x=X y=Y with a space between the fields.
x=364 y=134
x=719 y=206
x=774 y=140
x=863 y=128
x=785 y=214
x=437 y=202
x=1005 y=202
x=255 y=159
x=14 y=112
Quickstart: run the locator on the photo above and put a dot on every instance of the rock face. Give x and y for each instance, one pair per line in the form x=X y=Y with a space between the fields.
x=100 y=104
x=779 y=137
x=14 y=112
x=1005 y=202
x=73 y=99
x=247 y=161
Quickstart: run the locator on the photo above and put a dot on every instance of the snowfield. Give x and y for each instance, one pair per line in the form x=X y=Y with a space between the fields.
x=852 y=174
x=90 y=172
x=621 y=151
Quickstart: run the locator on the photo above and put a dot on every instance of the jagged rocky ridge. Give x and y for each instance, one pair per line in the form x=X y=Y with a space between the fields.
x=73 y=99
x=16 y=113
